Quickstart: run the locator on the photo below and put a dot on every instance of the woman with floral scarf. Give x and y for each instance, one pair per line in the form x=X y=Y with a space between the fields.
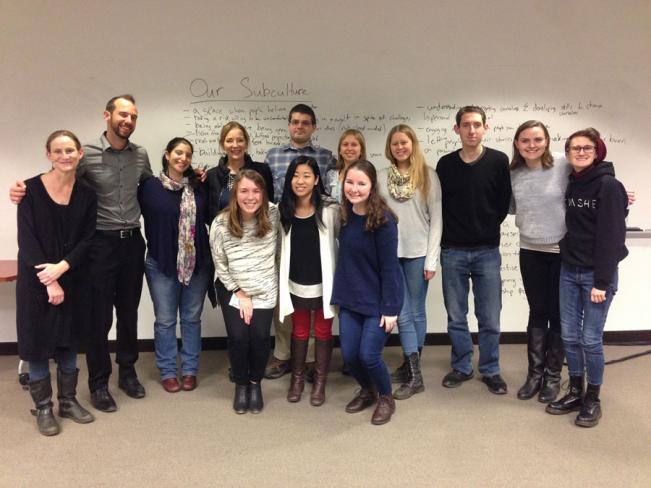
x=178 y=264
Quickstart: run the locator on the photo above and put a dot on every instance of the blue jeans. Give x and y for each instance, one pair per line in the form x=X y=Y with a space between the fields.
x=582 y=322
x=172 y=298
x=482 y=266
x=362 y=342
x=412 y=322
x=66 y=362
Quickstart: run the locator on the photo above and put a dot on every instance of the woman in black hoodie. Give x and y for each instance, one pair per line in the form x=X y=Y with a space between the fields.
x=590 y=252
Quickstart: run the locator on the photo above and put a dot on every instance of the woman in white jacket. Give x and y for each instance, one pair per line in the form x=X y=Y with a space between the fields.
x=307 y=263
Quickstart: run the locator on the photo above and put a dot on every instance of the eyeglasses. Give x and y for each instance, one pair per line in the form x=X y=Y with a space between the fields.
x=585 y=149
x=304 y=123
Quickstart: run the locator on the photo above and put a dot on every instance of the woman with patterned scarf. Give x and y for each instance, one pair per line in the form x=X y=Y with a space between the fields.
x=178 y=264
x=412 y=190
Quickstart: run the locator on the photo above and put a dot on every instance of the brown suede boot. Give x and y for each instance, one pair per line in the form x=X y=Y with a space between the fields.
x=386 y=406
x=297 y=383
x=323 y=353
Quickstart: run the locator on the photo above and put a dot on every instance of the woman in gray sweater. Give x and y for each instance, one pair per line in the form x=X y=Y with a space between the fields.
x=538 y=181
x=413 y=192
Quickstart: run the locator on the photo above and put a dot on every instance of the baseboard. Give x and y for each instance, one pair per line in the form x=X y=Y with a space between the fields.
x=620 y=337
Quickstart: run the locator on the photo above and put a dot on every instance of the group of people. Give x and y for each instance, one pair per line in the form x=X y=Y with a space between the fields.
x=303 y=237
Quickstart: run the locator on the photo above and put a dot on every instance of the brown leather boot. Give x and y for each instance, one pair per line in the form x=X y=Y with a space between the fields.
x=365 y=398
x=386 y=405
x=322 y=353
x=297 y=383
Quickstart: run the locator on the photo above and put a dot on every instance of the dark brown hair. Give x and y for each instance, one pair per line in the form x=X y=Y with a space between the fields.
x=547 y=159
x=62 y=133
x=470 y=109
x=110 y=105
x=376 y=207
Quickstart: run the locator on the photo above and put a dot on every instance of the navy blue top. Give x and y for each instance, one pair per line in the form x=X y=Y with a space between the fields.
x=367 y=279
x=161 y=209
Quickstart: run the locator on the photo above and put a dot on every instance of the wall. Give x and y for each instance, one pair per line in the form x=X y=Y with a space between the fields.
x=195 y=65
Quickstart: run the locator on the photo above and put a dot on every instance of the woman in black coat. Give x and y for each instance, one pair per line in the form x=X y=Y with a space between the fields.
x=56 y=222
x=234 y=141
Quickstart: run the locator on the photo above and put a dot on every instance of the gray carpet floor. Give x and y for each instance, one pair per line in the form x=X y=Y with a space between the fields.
x=441 y=437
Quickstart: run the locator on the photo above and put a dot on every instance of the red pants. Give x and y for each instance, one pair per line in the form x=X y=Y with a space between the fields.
x=301 y=330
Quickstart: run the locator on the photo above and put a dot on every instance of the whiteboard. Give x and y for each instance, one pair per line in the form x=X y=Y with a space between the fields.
x=194 y=65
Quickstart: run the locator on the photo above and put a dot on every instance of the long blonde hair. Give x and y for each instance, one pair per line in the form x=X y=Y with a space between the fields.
x=418 y=170
x=359 y=137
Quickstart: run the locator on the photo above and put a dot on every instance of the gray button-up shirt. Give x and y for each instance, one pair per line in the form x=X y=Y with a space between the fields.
x=115 y=175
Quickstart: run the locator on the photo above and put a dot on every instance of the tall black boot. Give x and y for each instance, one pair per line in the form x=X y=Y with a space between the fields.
x=591 y=410
x=536 y=338
x=401 y=374
x=415 y=382
x=41 y=391
x=551 y=385
x=570 y=402
x=68 y=405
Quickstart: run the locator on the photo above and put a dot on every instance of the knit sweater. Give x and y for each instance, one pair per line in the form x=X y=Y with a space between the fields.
x=419 y=220
x=367 y=276
x=475 y=198
x=595 y=218
x=538 y=204
x=249 y=262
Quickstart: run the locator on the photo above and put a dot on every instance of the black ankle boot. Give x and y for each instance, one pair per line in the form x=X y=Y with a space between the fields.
x=415 y=382
x=241 y=399
x=41 y=392
x=570 y=402
x=551 y=385
x=68 y=405
x=591 y=410
x=256 y=403
x=536 y=338
x=401 y=374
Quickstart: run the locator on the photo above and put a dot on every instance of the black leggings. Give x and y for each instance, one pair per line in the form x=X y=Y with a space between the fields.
x=248 y=345
x=540 y=276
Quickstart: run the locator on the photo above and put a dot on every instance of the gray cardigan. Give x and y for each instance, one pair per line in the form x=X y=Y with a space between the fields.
x=419 y=221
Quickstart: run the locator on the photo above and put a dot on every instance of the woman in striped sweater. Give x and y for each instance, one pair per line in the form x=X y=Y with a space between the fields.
x=243 y=242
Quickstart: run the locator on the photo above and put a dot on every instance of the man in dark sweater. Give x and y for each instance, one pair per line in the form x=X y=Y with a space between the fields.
x=476 y=190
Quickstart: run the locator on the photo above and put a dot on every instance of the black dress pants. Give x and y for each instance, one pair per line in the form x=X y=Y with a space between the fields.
x=248 y=345
x=117 y=268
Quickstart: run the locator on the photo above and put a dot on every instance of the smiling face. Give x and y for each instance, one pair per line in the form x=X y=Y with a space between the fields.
x=179 y=160
x=304 y=181
x=300 y=128
x=471 y=130
x=350 y=149
x=235 y=145
x=401 y=147
x=582 y=153
x=249 y=198
x=64 y=154
x=531 y=144
x=357 y=188
x=121 y=123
